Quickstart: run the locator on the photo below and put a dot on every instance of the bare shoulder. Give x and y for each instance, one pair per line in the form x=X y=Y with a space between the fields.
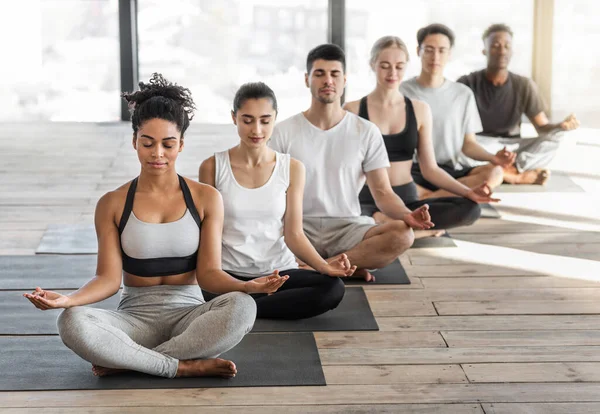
x=296 y=165
x=204 y=195
x=208 y=164
x=352 y=106
x=110 y=205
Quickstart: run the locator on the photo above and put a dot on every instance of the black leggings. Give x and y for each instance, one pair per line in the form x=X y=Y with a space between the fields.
x=446 y=212
x=305 y=294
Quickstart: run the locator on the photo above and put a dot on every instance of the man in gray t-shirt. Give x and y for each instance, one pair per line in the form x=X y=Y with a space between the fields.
x=502 y=99
x=455 y=118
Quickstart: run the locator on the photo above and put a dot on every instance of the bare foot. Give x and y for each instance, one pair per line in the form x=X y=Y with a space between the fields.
x=420 y=234
x=103 y=372
x=213 y=367
x=539 y=176
x=363 y=274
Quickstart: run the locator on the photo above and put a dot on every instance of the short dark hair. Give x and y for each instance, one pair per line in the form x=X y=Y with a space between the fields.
x=328 y=51
x=253 y=90
x=162 y=99
x=497 y=27
x=435 y=28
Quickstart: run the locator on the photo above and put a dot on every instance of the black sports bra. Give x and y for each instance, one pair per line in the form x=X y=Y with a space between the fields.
x=400 y=146
x=160 y=266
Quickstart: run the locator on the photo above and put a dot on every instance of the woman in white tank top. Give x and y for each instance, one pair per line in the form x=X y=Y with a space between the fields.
x=262 y=194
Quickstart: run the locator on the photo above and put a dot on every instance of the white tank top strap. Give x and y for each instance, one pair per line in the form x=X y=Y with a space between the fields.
x=284 y=167
x=222 y=168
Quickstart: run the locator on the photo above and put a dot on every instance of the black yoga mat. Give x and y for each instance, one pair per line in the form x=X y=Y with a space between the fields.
x=18 y=316
x=489 y=211
x=44 y=363
x=558 y=183
x=392 y=274
x=48 y=272
x=352 y=314
x=68 y=239
x=443 y=241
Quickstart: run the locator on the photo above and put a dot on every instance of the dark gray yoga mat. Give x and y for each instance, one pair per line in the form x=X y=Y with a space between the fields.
x=44 y=363
x=352 y=314
x=68 y=239
x=392 y=274
x=558 y=182
x=20 y=317
x=48 y=272
x=489 y=211
x=443 y=241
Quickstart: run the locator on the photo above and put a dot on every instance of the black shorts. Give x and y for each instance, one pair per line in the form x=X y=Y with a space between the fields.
x=420 y=180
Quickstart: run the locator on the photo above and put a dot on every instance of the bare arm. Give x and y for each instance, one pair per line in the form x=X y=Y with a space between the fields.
x=472 y=149
x=386 y=200
x=293 y=232
x=206 y=174
x=426 y=155
x=209 y=274
x=543 y=125
x=107 y=280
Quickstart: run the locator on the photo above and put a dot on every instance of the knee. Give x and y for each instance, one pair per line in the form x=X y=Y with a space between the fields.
x=70 y=323
x=470 y=212
x=494 y=176
x=400 y=236
x=333 y=293
x=242 y=310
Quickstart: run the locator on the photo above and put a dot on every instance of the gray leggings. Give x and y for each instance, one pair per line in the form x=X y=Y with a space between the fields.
x=154 y=327
x=532 y=153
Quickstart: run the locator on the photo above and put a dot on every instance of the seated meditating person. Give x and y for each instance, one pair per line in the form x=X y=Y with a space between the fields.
x=503 y=97
x=455 y=119
x=406 y=127
x=262 y=196
x=160 y=235
x=341 y=150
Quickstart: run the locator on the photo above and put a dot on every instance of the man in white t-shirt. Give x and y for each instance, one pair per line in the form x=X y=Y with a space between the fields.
x=340 y=151
x=455 y=118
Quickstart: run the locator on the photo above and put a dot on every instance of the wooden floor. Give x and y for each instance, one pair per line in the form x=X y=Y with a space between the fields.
x=508 y=322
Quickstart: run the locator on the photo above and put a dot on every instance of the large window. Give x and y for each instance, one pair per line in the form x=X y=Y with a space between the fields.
x=366 y=21
x=576 y=61
x=60 y=60
x=212 y=47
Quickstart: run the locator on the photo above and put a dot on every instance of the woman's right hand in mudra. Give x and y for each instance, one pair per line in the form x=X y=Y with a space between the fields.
x=266 y=284
x=47 y=299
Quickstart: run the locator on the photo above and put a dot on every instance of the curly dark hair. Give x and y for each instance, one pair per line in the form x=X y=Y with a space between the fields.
x=162 y=99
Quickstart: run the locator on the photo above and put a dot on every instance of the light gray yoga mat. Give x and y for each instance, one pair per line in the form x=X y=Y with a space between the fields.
x=393 y=274
x=489 y=211
x=48 y=272
x=558 y=182
x=44 y=363
x=443 y=241
x=352 y=314
x=68 y=239
x=18 y=316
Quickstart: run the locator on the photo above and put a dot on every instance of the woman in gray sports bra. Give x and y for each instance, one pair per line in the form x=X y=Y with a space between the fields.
x=161 y=235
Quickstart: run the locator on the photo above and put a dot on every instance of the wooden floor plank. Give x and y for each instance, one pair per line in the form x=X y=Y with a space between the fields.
x=392 y=340
x=537 y=307
x=542 y=408
x=460 y=339
x=534 y=372
x=329 y=395
x=471 y=355
x=276 y=409
x=489 y=323
x=394 y=374
x=508 y=282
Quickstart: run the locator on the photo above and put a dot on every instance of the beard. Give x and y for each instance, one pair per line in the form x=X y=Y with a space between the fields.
x=327 y=99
